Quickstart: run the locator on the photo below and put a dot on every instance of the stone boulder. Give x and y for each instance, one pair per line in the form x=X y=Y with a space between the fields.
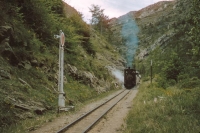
x=84 y=76
x=71 y=70
x=4 y=74
x=87 y=78
x=25 y=64
x=100 y=89
x=34 y=62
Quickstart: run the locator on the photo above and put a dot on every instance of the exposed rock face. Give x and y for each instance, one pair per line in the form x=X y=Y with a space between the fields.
x=34 y=62
x=152 y=9
x=4 y=74
x=5 y=32
x=71 y=70
x=119 y=64
x=161 y=41
x=5 y=48
x=37 y=107
x=88 y=78
x=145 y=18
x=25 y=64
x=83 y=76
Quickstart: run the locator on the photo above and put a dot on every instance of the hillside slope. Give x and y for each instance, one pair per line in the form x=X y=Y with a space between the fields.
x=153 y=23
x=29 y=61
x=169 y=40
x=166 y=37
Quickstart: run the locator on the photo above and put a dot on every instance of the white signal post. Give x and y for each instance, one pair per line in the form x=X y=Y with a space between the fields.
x=61 y=96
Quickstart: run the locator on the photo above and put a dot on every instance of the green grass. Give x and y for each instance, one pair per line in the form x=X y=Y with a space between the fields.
x=38 y=44
x=42 y=83
x=37 y=121
x=41 y=90
x=177 y=111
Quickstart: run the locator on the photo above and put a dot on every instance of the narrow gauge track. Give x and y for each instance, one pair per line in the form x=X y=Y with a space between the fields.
x=87 y=121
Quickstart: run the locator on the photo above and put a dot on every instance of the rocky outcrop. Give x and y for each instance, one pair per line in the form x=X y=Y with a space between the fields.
x=5 y=32
x=5 y=48
x=83 y=76
x=28 y=107
x=25 y=64
x=160 y=42
x=100 y=85
x=87 y=78
x=4 y=74
x=152 y=9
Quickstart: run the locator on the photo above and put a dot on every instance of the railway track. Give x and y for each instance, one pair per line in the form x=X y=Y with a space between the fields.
x=87 y=121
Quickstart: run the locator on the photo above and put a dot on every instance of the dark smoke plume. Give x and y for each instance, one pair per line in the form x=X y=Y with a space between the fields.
x=129 y=33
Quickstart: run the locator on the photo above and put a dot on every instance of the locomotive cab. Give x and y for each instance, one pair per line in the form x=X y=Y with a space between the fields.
x=129 y=78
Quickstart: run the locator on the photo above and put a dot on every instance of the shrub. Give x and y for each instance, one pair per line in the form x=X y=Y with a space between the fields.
x=190 y=83
x=162 y=82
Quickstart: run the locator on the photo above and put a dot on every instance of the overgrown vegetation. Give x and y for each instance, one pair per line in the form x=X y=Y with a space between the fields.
x=29 y=58
x=100 y=21
x=164 y=110
x=171 y=103
x=177 y=57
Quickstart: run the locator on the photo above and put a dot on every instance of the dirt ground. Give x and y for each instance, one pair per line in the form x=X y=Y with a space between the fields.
x=112 y=123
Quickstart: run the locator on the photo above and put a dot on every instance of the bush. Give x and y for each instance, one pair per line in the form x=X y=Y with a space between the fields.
x=161 y=82
x=190 y=83
x=146 y=78
x=171 y=82
x=164 y=83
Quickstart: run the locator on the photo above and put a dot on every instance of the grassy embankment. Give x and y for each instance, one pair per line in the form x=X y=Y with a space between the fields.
x=158 y=110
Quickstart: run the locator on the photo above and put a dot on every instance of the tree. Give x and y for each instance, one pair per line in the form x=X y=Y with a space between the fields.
x=99 y=19
x=194 y=32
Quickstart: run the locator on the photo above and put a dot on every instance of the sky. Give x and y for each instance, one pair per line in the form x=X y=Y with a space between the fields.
x=112 y=8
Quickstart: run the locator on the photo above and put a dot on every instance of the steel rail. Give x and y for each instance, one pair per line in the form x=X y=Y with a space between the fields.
x=90 y=127
x=80 y=118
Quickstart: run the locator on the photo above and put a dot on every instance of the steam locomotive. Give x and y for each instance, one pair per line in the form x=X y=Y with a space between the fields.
x=131 y=78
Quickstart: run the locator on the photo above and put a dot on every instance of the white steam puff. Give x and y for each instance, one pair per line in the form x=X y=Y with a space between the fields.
x=118 y=75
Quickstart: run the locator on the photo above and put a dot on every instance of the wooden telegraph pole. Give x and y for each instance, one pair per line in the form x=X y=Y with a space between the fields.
x=151 y=71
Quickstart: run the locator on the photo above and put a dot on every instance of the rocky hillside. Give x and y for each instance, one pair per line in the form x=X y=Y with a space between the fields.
x=163 y=32
x=167 y=35
x=29 y=61
x=168 y=38
x=144 y=19
x=69 y=11
x=153 y=9
x=153 y=16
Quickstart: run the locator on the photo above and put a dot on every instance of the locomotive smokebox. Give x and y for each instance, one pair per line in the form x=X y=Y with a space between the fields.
x=129 y=78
